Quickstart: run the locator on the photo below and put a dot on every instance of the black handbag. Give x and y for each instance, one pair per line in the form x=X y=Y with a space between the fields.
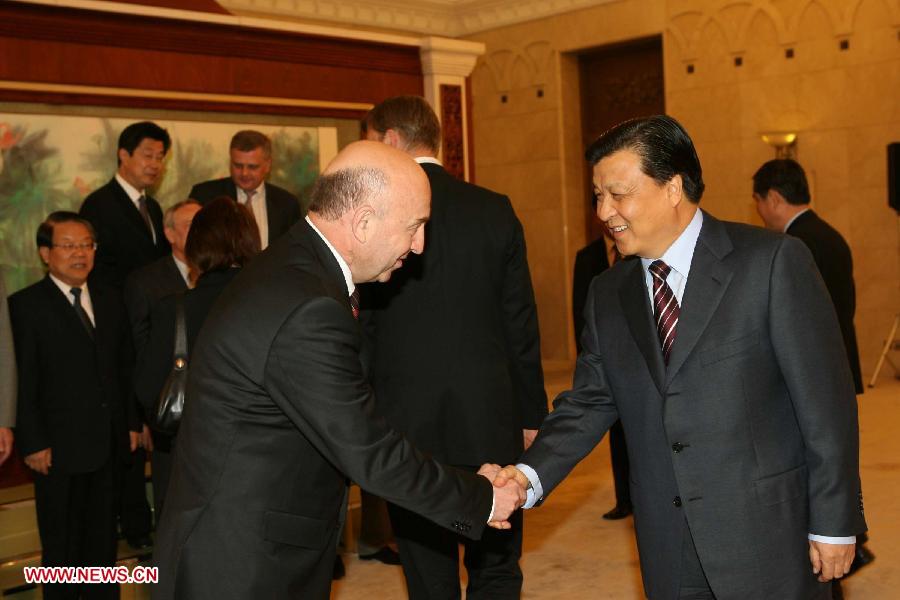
x=171 y=398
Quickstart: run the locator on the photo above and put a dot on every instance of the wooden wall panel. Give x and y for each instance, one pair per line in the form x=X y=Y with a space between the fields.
x=58 y=45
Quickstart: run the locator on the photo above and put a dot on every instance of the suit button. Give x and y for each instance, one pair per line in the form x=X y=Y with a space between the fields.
x=677 y=502
x=677 y=447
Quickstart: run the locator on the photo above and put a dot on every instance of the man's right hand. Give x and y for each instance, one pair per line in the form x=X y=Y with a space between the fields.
x=510 y=473
x=40 y=461
x=507 y=497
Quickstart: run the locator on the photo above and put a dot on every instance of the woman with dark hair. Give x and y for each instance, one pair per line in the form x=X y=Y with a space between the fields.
x=222 y=239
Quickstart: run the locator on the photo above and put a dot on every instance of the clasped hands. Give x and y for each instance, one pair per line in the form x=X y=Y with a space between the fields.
x=509 y=492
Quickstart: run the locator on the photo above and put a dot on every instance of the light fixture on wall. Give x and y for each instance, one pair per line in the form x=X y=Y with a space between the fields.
x=784 y=142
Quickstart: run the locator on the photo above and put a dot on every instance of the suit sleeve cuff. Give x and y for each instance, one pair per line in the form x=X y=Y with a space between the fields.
x=825 y=539
x=536 y=492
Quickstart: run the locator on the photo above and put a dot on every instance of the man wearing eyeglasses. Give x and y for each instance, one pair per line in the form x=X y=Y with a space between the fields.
x=74 y=357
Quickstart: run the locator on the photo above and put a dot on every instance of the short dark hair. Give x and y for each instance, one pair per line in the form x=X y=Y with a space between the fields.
x=335 y=193
x=223 y=234
x=249 y=140
x=786 y=177
x=45 y=229
x=410 y=116
x=132 y=136
x=664 y=147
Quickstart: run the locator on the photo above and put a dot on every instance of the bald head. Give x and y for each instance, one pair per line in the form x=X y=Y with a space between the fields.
x=372 y=202
x=366 y=172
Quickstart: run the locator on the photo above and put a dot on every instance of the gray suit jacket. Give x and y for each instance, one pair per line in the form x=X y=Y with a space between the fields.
x=750 y=434
x=7 y=365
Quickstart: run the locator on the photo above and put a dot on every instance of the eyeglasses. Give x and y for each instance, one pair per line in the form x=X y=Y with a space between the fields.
x=69 y=247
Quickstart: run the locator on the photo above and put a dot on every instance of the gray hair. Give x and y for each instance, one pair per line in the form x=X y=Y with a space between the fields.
x=169 y=215
x=345 y=189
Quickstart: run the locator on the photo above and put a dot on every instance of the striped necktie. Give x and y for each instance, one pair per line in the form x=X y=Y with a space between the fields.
x=354 y=303
x=665 y=307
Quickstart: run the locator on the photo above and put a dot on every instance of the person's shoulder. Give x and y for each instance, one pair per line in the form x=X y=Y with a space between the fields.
x=100 y=194
x=26 y=295
x=279 y=193
x=206 y=190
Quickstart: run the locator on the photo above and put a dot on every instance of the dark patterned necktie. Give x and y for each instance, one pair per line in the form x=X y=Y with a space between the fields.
x=354 y=303
x=82 y=314
x=665 y=307
x=145 y=214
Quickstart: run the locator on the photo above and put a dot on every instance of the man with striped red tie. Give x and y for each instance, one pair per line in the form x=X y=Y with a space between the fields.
x=721 y=353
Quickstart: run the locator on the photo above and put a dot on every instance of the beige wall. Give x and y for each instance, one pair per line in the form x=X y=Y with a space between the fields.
x=842 y=104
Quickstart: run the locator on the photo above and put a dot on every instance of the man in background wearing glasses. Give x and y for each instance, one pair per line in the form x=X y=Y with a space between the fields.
x=74 y=356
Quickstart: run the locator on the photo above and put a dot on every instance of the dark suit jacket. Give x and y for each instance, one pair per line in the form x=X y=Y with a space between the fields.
x=456 y=348
x=155 y=359
x=590 y=261
x=279 y=414
x=124 y=242
x=73 y=390
x=282 y=207
x=832 y=256
x=144 y=288
x=751 y=432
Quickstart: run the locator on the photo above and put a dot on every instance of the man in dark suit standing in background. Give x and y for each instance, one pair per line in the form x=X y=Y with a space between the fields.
x=456 y=355
x=279 y=412
x=782 y=200
x=128 y=223
x=590 y=261
x=75 y=359
x=275 y=208
x=720 y=351
x=143 y=289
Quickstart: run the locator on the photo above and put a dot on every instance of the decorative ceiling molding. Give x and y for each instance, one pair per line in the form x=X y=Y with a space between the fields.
x=451 y=18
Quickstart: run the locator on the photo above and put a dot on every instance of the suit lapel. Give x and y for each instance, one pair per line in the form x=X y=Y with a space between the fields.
x=636 y=307
x=271 y=217
x=706 y=285
x=130 y=210
x=65 y=308
x=173 y=274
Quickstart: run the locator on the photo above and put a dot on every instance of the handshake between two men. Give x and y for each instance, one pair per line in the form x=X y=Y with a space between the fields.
x=510 y=492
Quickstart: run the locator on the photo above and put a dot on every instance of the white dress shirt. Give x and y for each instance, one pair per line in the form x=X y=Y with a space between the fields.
x=679 y=257
x=85 y=297
x=258 y=206
x=135 y=194
x=183 y=269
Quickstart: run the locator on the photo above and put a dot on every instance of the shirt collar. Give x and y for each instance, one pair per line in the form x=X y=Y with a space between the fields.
x=132 y=191
x=183 y=268
x=259 y=192
x=65 y=288
x=681 y=252
x=345 y=268
x=428 y=159
x=794 y=218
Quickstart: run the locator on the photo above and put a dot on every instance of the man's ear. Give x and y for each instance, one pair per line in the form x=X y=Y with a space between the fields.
x=123 y=154
x=362 y=222
x=44 y=251
x=674 y=190
x=393 y=139
x=775 y=198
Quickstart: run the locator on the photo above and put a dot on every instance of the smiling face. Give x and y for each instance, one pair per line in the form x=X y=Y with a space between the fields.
x=641 y=214
x=142 y=167
x=249 y=169
x=73 y=264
